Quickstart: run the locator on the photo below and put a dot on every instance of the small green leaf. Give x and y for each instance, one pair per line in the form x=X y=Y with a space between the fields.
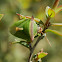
x=53 y=31
x=50 y=12
x=56 y=24
x=37 y=57
x=1 y=15
x=41 y=55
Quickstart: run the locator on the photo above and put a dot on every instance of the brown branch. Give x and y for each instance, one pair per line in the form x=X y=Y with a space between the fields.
x=56 y=4
x=31 y=52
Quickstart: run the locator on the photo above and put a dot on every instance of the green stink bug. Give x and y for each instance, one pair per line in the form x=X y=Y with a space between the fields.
x=25 y=28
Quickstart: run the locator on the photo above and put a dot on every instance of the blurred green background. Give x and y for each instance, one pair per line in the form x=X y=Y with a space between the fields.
x=17 y=52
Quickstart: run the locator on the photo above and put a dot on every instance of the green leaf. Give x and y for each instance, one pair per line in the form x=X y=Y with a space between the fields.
x=37 y=57
x=50 y=12
x=56 y=24
x=53 y=31
x=41 y=55
x=1 y=15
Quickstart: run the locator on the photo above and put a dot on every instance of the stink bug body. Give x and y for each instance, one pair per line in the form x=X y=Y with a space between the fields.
x=26 y=28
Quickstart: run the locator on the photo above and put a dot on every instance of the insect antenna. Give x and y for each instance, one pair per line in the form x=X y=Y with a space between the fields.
x=47 y=40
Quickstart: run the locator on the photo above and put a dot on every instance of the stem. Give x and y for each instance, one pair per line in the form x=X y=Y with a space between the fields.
x=32 y=50
x=47 y=21
x=56 y=4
